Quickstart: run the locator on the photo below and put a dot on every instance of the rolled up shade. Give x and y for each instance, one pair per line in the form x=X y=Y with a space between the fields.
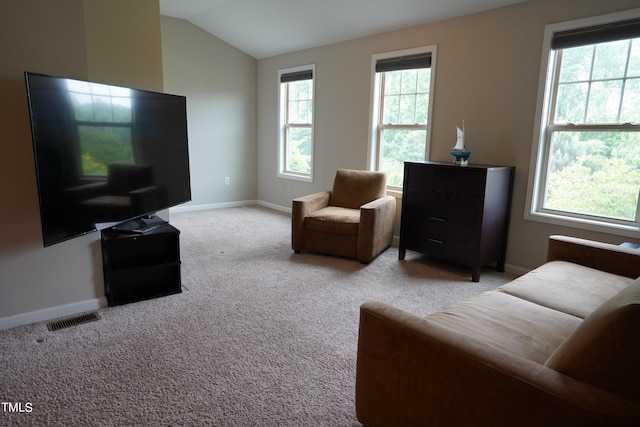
x=410 y=62
x=296 y=76
x=597 y=34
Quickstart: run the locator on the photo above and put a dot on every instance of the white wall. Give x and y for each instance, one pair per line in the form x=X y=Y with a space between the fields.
x=487 y=74
x=219 y=82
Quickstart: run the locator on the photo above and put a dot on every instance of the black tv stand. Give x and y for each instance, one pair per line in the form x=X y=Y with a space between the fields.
x=141 y=266
x=140 y=225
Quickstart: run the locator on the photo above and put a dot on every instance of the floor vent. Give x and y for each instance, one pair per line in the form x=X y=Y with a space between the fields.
x=73 y=321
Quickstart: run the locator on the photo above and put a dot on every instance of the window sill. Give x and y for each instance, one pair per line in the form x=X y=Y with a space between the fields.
x=583 y=224
x=395 y=192
x=295 y=177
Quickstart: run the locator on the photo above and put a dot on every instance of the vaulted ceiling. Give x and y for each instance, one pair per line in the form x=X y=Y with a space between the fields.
x=263 y=28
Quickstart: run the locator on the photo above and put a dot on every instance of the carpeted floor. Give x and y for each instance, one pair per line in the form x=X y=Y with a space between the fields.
x=259 y=336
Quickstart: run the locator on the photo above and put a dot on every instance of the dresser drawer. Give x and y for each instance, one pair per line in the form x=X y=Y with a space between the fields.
x=461 y=251
x=443 y=178
x=428 y=224
x=443 y=203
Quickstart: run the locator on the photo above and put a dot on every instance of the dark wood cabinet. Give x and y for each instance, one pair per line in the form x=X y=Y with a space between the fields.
x=141 y=266
x=456 y=213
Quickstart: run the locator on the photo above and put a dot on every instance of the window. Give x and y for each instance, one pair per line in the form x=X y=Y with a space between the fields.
x=295 y=139
x=401 y=113
x=104 y=119
x=587 y=170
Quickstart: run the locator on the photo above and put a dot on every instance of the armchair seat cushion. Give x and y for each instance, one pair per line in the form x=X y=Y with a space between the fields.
x=333 y=219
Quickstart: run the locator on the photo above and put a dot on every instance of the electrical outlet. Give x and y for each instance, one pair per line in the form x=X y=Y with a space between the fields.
x=227 y=180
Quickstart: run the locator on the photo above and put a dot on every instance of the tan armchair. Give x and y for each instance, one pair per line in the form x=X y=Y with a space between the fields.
x=353 y=220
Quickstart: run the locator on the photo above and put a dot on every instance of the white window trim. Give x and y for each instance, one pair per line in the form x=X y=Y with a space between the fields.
x=539 y=155
x=282 y=172
x=373 y=151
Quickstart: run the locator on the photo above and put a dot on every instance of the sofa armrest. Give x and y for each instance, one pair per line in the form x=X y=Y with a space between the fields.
x=300 y=208
x=375 y=231
x=411 y=371
x=607 y=257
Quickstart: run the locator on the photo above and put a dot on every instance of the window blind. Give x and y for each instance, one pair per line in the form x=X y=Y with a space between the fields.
x=422 y=60
x=296 y=76
x=597 y=34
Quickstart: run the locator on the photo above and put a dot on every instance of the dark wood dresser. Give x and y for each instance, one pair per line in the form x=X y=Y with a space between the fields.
x=456 y=213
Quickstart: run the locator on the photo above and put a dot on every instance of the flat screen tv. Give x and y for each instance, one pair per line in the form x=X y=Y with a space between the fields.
x=105 y=155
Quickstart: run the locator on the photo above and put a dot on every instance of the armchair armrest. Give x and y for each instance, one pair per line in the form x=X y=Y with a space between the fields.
x=301 y=206
x=86 y=191
x=412 y=371
x=601 y=256
x=375 y=232
x=147 y=199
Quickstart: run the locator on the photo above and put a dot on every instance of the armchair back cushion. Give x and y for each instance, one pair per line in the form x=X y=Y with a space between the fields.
x=354 y=188
x=604 y=350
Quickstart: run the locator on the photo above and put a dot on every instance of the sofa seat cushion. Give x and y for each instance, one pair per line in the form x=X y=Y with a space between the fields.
x=509 y=323
x=604 y=350
x=571 y=288
x=333 y=219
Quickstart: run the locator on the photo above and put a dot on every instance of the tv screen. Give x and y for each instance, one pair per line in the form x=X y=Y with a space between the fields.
x=104 y=154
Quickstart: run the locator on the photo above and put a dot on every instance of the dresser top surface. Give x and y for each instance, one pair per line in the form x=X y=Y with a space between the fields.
x=470 y=166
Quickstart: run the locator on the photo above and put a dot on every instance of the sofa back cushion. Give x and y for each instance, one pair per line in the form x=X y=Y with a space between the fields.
x=354 y=188
x=604 y=350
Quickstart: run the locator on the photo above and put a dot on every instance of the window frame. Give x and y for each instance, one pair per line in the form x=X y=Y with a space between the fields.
x=544 y=128
x=374 y=151
x=284 y=127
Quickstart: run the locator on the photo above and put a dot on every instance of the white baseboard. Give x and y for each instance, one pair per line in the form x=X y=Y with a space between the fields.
x=191 y=208
x=51 y=313
x=274 y=206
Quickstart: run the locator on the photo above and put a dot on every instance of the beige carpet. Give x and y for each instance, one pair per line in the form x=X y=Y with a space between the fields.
x=259 y=336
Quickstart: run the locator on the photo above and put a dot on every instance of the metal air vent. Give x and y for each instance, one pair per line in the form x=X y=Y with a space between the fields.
x=72 y=321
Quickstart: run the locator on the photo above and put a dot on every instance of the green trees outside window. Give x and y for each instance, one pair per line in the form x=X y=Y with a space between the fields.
x=299 y=127
x=403 y=120
x=594 y=173
x=593 y=164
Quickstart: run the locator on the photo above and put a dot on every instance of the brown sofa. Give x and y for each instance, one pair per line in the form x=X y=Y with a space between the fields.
x=559 y=345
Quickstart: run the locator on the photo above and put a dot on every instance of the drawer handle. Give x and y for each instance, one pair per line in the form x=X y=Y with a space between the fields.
x=438 y=241
x=435 y=218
